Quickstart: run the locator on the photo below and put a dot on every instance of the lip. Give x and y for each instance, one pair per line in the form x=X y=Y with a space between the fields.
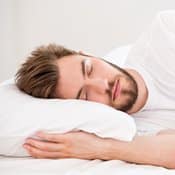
x=116 y=90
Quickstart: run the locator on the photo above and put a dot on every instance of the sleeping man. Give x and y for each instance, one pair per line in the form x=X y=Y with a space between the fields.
x=144 y=88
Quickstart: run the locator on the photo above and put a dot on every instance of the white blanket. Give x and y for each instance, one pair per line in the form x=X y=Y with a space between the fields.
x=29 y=166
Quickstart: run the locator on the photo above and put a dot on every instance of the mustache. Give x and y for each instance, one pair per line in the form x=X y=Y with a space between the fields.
x=132 y=93
x=109 y=91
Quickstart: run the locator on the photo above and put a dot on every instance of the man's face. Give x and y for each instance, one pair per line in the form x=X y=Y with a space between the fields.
x=89 y=78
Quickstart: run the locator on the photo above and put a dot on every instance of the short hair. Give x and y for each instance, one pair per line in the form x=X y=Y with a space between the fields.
x=38 y=75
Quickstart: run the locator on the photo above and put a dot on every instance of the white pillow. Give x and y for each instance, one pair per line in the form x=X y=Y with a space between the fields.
x=22 y=115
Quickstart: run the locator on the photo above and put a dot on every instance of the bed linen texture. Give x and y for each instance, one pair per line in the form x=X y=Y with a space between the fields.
x=30 y=166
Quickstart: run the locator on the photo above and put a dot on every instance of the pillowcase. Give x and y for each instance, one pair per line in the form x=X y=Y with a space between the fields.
x=22 y=115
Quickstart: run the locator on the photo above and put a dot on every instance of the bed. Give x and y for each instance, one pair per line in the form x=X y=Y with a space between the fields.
x=31 y=166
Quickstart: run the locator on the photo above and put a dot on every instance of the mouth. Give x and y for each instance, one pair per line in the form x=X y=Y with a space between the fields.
x=116 y=90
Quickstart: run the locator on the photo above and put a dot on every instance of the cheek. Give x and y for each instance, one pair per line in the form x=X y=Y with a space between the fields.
x=93 y=96
x=68 y=89
x=104 y=73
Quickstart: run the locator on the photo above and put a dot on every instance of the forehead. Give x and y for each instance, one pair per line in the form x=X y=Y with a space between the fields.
x=70 y=75
x=72 y=60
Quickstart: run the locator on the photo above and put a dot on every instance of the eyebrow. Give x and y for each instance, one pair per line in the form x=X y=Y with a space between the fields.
x=83 y=73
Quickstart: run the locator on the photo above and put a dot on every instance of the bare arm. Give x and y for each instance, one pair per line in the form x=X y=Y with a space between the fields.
x=152 y=150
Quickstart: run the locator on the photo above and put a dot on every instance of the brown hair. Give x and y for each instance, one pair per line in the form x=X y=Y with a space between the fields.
x=39 y=75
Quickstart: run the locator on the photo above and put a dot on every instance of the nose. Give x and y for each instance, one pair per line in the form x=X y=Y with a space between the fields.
x=98 y=84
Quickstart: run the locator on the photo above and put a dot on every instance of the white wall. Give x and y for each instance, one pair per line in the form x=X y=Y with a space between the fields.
x=95 y=26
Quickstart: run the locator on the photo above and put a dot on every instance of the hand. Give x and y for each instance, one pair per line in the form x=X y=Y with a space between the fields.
x=73 y=144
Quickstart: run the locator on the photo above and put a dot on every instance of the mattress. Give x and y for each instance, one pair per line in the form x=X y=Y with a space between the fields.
x=31 y=166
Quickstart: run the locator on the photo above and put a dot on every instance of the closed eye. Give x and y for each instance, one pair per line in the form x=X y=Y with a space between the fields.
x=88 y=67
x=86 y=96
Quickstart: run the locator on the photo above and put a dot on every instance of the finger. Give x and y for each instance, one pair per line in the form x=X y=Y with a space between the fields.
x=51 y=137
x=37 y=153
x=45 y=146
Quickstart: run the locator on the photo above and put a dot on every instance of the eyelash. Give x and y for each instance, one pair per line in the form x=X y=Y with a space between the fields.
x=88 y=73
x=86 y=96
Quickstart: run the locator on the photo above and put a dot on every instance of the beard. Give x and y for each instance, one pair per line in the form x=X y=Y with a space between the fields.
x=130 y=94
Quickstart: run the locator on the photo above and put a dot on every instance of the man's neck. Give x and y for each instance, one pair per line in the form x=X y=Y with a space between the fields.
x=142 y=91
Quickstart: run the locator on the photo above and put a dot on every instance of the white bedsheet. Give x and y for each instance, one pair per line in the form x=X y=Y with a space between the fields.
x=30 y=166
